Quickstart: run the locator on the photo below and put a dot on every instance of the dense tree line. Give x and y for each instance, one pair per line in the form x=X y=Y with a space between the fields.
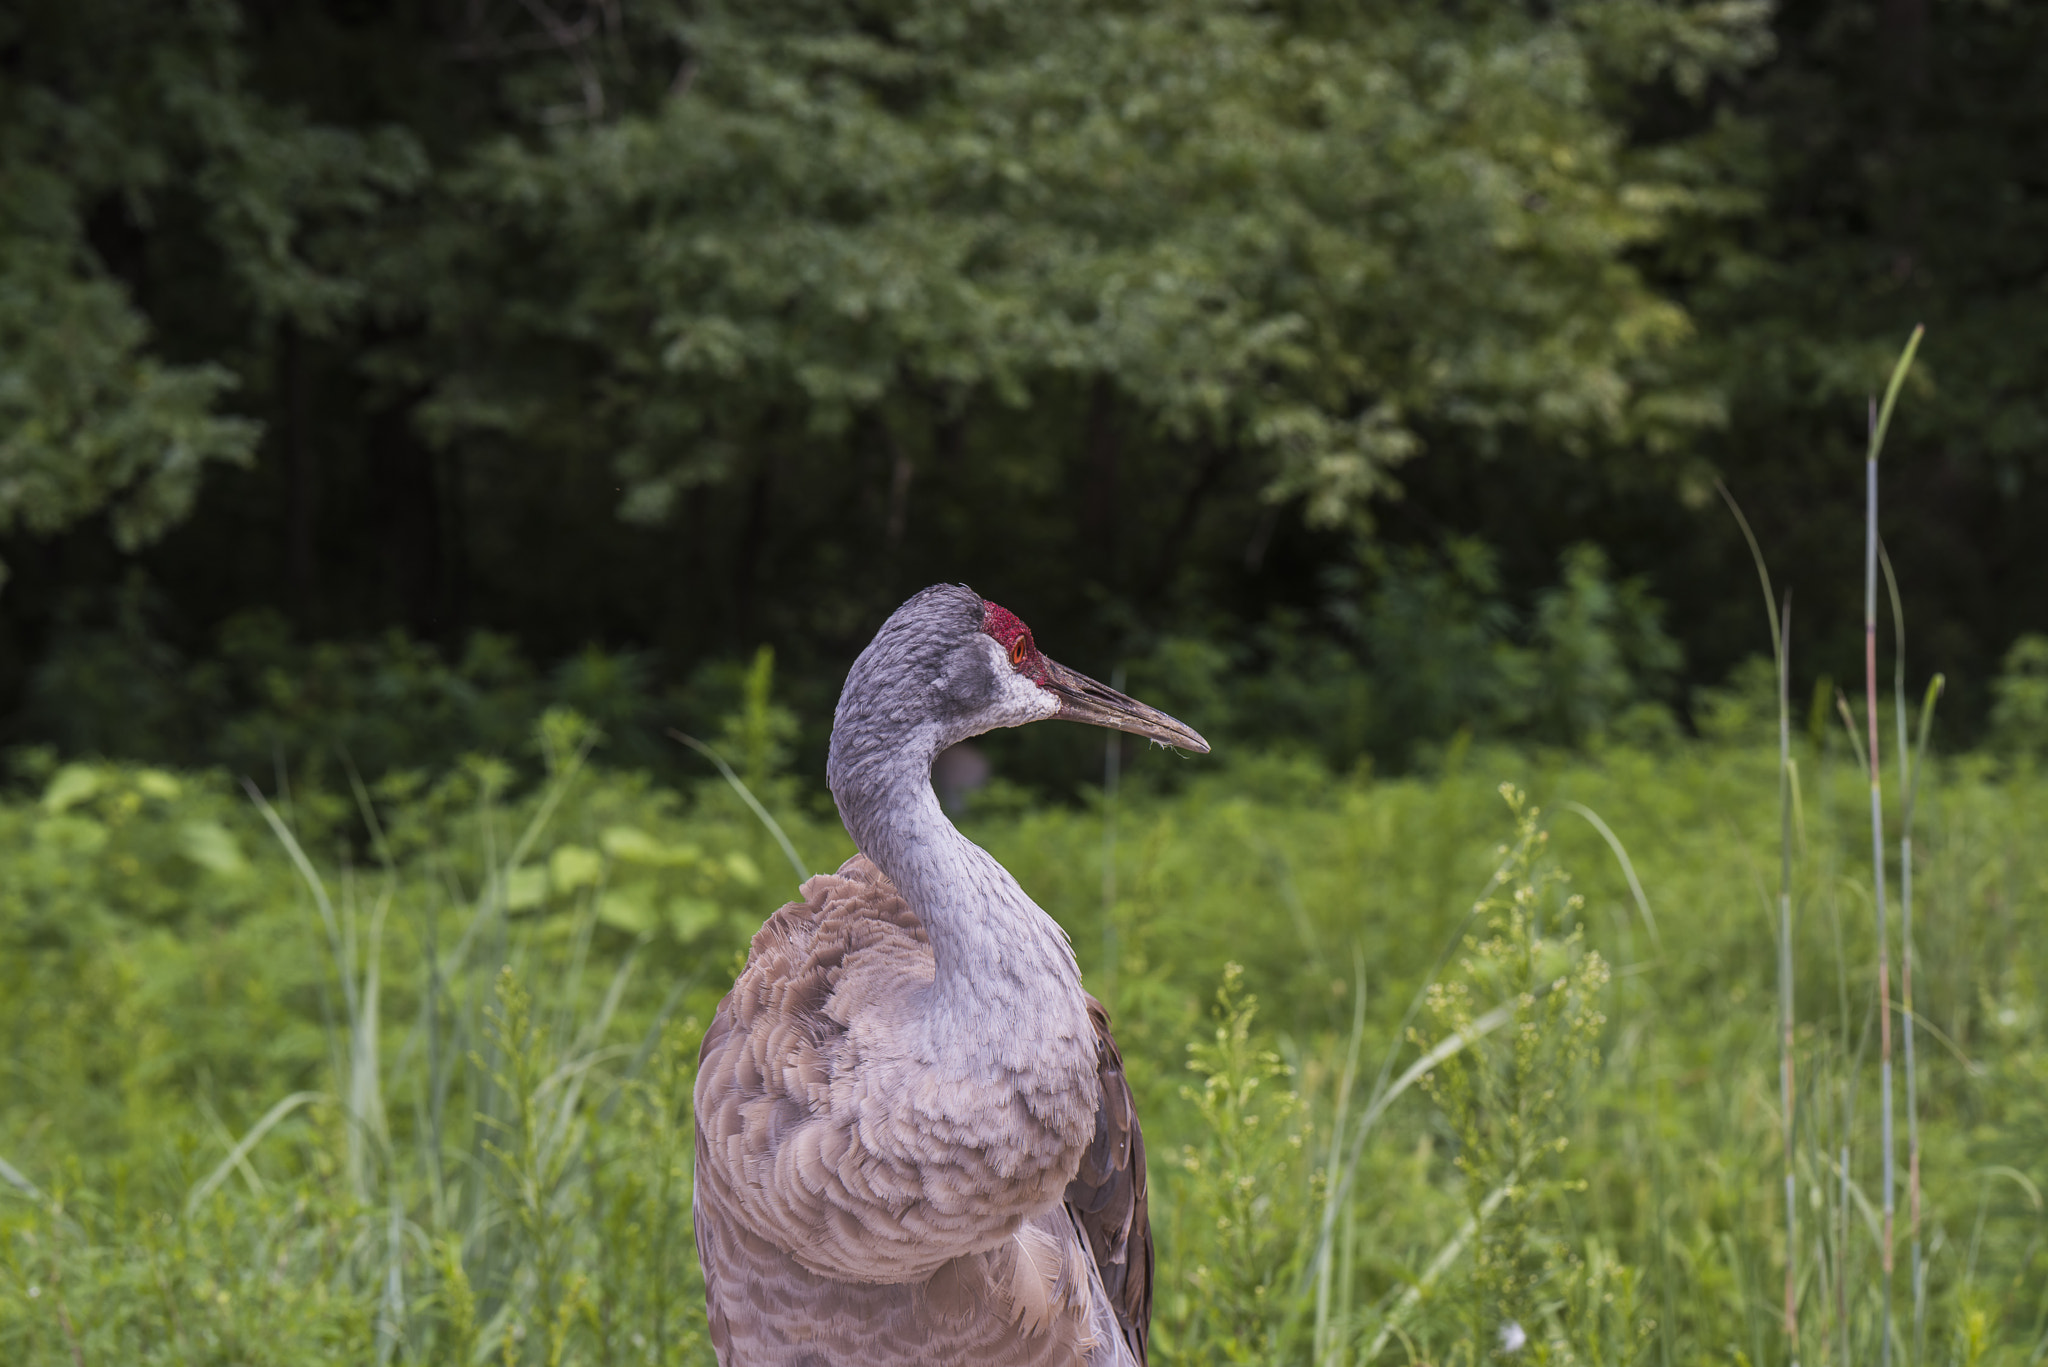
x=680 y=328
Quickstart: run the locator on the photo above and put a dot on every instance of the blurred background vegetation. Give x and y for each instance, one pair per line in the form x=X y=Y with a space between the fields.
x=402 y=1074
x=411 y=411
x=375 y=370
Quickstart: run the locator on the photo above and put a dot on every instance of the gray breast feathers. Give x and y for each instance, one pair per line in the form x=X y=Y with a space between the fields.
x=847 y=1208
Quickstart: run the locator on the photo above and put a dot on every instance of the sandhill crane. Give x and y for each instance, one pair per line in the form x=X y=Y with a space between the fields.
x=915 y=1142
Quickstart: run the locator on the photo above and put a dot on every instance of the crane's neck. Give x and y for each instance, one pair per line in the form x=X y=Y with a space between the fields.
x=1007 y=989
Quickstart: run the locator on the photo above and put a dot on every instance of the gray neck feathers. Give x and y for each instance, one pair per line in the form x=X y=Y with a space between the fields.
x=1007 y=986
x=1000 y=960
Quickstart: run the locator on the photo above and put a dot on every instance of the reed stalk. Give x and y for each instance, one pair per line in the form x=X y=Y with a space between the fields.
x=1934 y=689
x=1880 y=419
x=1884 y=958
x=1906 y=770
x=1842 y=1234
x=1785 y=1000
x=1835 y=1273
x=1781 y=653
x=1910 y=761
x=1912 y=781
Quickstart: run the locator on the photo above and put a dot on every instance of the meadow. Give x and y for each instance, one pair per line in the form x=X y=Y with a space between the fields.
x=1477 y=1064
x=1516 y=982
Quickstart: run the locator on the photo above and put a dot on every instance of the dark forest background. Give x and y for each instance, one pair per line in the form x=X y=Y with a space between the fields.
x=1351 y=375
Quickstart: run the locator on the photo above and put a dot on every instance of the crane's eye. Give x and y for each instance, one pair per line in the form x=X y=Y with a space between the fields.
x=1019 y=648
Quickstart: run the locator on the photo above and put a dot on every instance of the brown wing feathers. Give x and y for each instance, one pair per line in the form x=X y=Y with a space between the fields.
x=1107 y=1195
x=798 y=957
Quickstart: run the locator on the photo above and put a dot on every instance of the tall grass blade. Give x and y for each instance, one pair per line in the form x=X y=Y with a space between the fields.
x=1411 y=1296
x=1756 y=555
x=1628 y=869
x=367 y=809
x=1325 y=1347
x=1848 y=715
x=1787 y=1095
x=1873 y=1218
x=1443 y=959
x=1907 y=1014
x=227 y=1141
x=391 y=1305
x=1340 y=1182
x=1382 y=1095
x=1781 y=656
x=2019 y=1179
x=747 y=796
x=321 y=900
x=1481 y=1028
x=362 y=1084
x=559 y=779
x=1883 y=419
x=249 y=1141
x=1850 y=1065
x=1906 y=763
x=11 y=1175
x=365 y=1073
x=1880 y=421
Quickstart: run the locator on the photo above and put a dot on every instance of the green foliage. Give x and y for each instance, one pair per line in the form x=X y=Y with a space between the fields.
x=1745 y=708
x=1668 y=1197
x=1295 y=234
x=1439 y=649
x=90 y=419
x=842 y=300
x=1237 y=1254
x=580 y=1249
x=1507 y=1095
x=1108 y=309
x=425 y=1097
x=1439 y=635
x=436 y=1157
x=759 y=732
x=1918 y=125
x=146 y=110
x=1424 y=647
x=263 y=699
x=1600 y=648
x=2019 y=717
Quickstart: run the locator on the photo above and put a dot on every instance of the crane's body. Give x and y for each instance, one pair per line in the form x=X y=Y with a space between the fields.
x=915 y=1142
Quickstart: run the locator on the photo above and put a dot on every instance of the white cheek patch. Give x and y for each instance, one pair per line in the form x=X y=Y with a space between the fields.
x=1018 y=700
x=1040 y=702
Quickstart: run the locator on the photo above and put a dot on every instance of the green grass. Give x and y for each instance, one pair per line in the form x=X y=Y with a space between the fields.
x=475 y=1061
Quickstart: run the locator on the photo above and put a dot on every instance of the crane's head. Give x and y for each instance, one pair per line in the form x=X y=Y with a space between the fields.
x=1074 y=696
x=948 y=665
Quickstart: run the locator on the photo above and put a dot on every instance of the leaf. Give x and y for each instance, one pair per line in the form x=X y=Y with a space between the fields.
x=629 y=910
x=73 y=784
x=690 y=917
x=213 y=847
x=630 y=844
x=526 y=887
x=574 y=866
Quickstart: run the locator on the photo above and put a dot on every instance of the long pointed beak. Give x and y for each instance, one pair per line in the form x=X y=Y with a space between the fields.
x=1084 y=700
